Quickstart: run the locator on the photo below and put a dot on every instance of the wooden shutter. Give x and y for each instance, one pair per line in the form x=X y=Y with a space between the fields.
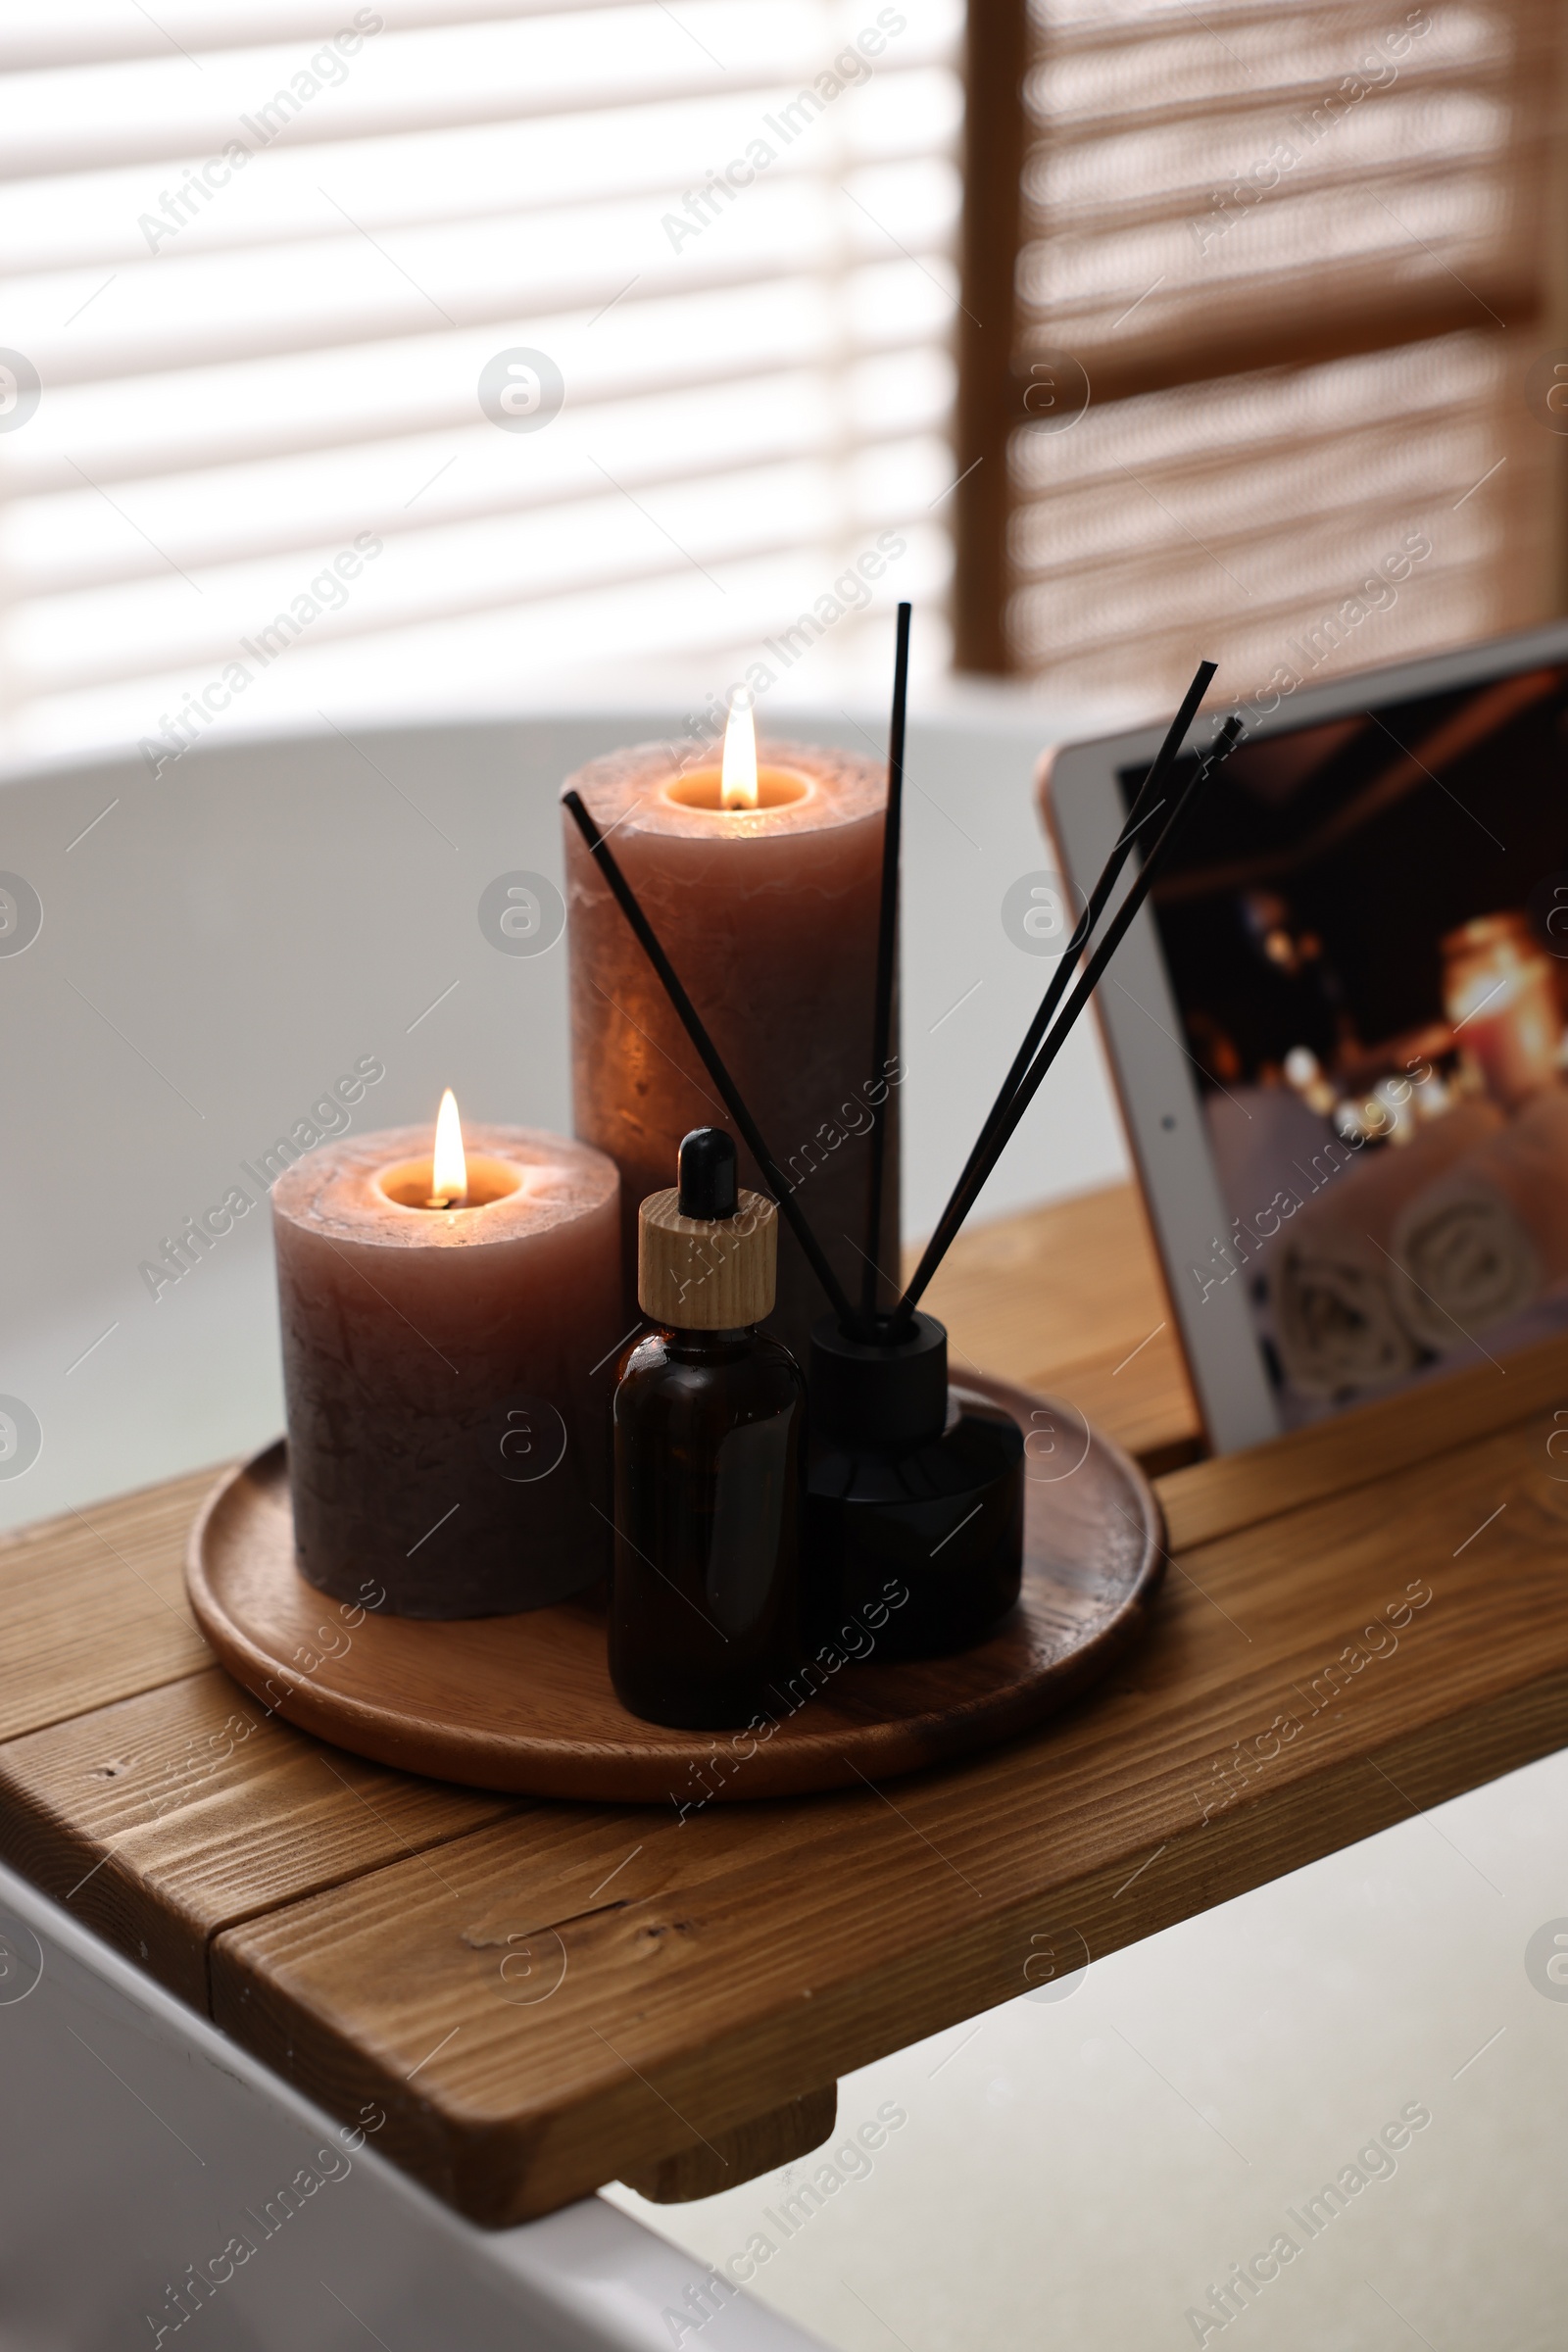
x=1308 y=262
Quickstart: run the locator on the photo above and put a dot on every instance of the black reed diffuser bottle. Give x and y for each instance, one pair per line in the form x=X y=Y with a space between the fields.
x=710 y=1426
x=915 y=1487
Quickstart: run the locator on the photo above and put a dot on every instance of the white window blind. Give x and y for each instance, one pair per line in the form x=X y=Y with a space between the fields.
x=258 y=261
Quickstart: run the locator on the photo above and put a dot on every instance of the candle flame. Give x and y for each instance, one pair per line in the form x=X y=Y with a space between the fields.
x=737 y=787
x=449 y=1176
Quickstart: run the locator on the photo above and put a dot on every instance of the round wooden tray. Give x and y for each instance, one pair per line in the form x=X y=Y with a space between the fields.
x=525 y=1702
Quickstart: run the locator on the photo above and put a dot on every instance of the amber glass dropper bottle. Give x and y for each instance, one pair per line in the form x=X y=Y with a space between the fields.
x=710 y=1423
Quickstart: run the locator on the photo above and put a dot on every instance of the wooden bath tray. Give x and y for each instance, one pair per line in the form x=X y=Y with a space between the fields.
x=525 y=1703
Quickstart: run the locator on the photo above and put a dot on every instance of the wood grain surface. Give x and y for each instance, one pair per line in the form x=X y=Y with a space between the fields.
x=1361 y=1448
x=1309 y=1679
x=92 y=1605
x=759 y=2146
x=525 y=1702
x=1357 y=1622
x=165 y=1817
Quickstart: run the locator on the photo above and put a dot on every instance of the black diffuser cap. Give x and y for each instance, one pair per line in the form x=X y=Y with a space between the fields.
x=879 y=1395
x=707 y=1179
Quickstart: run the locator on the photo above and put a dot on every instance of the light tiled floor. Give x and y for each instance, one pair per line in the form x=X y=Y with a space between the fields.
x=1080 y=2172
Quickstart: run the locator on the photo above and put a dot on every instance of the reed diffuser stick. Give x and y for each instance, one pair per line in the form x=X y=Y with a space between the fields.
x=627 y=900
x=1144 y=808
x=1142 y=813
x=1024 y=1093
x=887 y=957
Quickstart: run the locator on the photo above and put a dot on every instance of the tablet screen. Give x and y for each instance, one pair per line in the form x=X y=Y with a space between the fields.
x=1365 y=928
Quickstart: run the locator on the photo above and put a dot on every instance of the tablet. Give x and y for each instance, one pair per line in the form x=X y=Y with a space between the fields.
x=1339 y=1028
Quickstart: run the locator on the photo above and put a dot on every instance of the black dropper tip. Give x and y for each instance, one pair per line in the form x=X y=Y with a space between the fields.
x=707 y=1178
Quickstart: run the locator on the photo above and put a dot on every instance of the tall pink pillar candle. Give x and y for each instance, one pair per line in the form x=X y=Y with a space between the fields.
x=769 y=915
x=447 y=1433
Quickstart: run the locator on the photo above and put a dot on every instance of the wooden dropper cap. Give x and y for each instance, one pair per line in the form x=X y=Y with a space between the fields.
x=707 y=1252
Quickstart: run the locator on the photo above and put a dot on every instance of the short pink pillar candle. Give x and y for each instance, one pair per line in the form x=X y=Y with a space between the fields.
x=444 y=1363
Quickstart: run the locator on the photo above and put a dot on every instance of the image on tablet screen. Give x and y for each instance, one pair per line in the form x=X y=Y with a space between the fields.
x=1366 y=933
